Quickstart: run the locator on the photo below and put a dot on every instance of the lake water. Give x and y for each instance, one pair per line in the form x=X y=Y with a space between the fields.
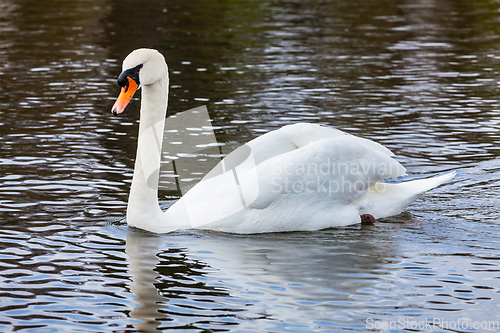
x=420 y=77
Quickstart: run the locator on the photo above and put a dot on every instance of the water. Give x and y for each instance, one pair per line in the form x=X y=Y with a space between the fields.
x=419 y=77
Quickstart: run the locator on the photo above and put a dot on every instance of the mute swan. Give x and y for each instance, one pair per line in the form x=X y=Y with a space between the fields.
x=299 y=177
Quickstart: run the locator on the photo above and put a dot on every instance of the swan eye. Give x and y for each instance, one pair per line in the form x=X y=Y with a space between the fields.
x=132 y=73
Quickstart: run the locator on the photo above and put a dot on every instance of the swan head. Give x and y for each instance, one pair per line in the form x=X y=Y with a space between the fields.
x=142 y=67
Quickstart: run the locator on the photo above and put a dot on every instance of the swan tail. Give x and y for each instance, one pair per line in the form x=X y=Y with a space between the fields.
x=386 y=199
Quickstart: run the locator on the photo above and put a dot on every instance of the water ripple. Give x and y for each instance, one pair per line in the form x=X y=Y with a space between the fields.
x=418 y=78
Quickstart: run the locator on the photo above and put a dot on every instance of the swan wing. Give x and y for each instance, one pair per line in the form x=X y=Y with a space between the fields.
x=333 y=169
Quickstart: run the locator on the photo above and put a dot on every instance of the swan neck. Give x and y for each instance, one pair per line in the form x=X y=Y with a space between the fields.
x=143 y=201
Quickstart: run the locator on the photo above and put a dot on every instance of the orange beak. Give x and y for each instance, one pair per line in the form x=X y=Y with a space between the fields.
x=125 y=96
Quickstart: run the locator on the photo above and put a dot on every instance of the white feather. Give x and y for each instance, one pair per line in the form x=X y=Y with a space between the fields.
x=300 y=177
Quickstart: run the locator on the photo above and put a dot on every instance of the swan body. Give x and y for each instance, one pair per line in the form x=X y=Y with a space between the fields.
x=300 y=177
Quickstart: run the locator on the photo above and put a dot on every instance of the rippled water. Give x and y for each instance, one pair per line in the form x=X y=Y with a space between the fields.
x=419 y=77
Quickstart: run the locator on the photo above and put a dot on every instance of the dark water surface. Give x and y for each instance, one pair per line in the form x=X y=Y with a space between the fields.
x=420 y=77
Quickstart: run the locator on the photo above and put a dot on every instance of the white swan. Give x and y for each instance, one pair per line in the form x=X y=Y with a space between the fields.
x=300 y=177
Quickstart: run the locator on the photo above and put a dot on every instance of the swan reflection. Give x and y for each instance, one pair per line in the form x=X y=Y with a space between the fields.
x=142 y=250
x=276 y=274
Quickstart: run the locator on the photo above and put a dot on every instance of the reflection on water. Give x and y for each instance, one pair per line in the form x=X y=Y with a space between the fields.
x=308 y=281
x=142 y=253
x=419 y=77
